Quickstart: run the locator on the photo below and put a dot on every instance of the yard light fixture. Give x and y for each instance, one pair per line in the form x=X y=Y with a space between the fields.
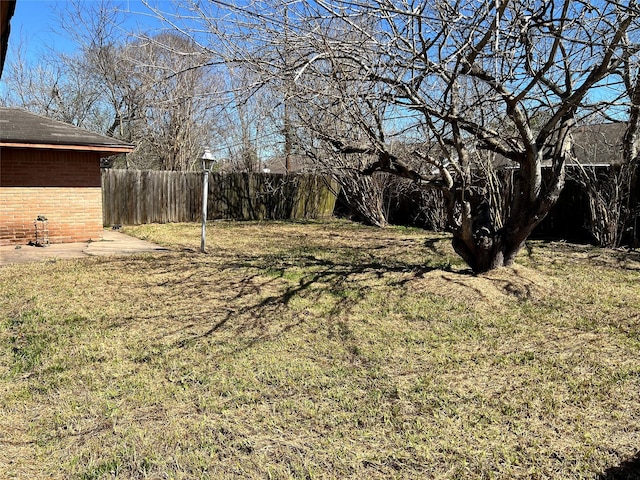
x=207 y=163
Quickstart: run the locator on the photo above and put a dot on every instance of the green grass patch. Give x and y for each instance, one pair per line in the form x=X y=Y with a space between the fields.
x=319 y=350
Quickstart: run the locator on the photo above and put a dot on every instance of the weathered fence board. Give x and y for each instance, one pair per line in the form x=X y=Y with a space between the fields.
x=133 y=197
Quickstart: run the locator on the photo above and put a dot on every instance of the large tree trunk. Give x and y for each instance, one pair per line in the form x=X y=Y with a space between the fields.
x=486 y=252
x=485 y=247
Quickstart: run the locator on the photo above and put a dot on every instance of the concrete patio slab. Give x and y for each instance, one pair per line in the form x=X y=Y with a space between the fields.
x=112 y=243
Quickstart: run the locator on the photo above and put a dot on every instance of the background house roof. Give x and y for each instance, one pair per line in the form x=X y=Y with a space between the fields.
x=599 y=144
x=298 y=164
x=596 y=145
x=19 y=128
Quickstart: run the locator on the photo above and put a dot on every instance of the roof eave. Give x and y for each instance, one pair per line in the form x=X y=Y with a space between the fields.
x=107 y=149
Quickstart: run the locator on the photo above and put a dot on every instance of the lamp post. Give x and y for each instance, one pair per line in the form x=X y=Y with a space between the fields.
x=207 y=162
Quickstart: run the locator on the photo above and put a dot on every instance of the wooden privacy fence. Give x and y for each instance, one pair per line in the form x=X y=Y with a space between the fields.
x=133 y=197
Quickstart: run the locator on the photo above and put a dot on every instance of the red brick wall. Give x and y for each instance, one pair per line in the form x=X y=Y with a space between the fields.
x=63 y=186
x=48 y=168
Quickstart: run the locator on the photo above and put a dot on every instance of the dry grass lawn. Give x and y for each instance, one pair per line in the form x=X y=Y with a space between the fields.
x=320 y=350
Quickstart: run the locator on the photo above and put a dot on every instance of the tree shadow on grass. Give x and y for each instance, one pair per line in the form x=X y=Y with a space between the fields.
x=254 y=296
x=340 y=279
x=258 y=300
x=628 y=470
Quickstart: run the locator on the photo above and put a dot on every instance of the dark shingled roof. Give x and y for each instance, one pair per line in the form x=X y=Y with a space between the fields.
x=599 y=144
x=19 y=128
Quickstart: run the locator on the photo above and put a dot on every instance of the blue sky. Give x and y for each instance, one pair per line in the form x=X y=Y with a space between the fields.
x=31 y=23
x=34 y=25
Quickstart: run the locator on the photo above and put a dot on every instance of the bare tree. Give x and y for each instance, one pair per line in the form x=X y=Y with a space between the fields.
x=158 y=99
x=630 y=170
x=153 y=90
x=461 y=78
x=600 y=167
x=245 y=127
x=174 y=116
x=54 y=86
x=611 y=185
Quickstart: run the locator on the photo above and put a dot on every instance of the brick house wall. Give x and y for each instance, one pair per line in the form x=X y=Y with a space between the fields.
x=62 y=185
